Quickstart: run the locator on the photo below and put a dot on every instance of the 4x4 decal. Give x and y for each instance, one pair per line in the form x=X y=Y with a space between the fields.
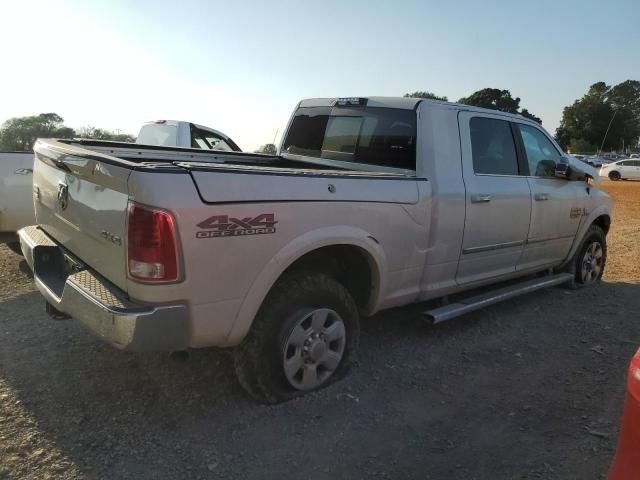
x=226 y=226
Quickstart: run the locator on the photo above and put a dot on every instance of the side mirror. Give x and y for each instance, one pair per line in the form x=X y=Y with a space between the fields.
x=549 y=168
x=562 y=168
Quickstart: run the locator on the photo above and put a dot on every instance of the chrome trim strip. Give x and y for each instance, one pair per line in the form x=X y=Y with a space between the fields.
x=546 y=239
x=496 y=246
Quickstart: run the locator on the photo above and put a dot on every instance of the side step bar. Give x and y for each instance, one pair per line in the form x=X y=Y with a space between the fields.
x=477 y=302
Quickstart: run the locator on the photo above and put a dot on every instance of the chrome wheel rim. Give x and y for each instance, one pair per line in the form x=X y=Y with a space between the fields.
x=314 y=348
x=591 y=265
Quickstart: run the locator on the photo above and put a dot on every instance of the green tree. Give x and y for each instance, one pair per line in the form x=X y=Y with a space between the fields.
x=527 y=114
x=496 y=99
x=602 y=108
x=20 y=133
x=427 y=95
x=102 y=134
x=578 y=145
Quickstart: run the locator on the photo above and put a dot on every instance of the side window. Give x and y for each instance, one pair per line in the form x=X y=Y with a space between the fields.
x=492 y=147
x=208 y=141
x=542 y=156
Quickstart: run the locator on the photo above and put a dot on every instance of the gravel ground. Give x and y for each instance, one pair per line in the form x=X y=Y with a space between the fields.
x=529 y=389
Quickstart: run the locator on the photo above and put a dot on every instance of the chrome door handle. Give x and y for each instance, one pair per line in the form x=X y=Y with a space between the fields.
x=480 y=198
x=541 y=196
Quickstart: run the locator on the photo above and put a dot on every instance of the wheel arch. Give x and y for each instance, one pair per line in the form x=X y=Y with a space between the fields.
x=315 y=250
x=603 y=221
x=600 y=216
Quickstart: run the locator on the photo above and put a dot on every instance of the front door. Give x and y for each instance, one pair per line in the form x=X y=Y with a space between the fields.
x=633 y=168
x=498 y=199
x=558 y=204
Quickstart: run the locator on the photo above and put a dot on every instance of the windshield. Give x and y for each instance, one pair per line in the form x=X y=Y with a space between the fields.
x=384 y=137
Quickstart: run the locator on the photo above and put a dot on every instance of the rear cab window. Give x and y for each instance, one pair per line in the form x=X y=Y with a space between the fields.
x=379 y=138
x=161 y=134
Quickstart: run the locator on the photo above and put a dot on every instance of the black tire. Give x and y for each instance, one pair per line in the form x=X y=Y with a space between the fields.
x=259 y=358
x=614 y=176
x=15 y=248
x=594 y=234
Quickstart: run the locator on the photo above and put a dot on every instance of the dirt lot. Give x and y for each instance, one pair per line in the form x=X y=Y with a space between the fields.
x=529 y=389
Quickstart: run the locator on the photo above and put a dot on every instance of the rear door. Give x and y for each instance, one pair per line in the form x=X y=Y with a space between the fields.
x=498 y=199
x=558 y=204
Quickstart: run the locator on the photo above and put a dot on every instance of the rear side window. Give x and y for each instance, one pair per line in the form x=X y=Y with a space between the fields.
x=492 y=147
x=542 y=156
x=374 y=136
x=208 y=141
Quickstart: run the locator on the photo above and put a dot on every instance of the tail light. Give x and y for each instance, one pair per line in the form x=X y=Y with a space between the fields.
x=634 y=377
x=152 y=253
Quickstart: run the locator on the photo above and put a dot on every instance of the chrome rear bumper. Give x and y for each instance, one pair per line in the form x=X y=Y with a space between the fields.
x=78 y=291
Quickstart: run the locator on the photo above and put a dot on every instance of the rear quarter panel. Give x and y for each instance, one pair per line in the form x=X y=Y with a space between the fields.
x=226 y=278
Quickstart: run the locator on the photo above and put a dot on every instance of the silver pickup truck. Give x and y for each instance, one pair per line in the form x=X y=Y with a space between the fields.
x=371 y=204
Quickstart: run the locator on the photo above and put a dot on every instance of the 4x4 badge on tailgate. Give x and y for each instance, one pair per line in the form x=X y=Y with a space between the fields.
x=226 y=226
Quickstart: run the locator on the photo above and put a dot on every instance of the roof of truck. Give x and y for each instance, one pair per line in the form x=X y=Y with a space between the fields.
x=389 y=102
x=408 y=103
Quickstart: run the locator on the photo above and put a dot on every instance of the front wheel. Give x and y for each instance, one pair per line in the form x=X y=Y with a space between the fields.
x=302 y=339
x=615 y=176
x=590 y=258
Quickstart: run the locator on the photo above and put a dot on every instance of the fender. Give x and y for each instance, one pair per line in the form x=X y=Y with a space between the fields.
x=298 y=247
x=584 y=226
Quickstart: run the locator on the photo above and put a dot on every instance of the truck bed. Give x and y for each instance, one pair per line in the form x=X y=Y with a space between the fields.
x=151 y=156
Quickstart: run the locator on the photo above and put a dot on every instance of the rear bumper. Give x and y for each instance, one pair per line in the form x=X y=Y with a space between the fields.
x=78 y=291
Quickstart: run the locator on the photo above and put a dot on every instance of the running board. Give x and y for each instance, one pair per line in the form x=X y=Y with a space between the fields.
x=477 y=302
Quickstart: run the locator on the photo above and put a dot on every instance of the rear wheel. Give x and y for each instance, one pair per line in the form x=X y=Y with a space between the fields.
x=615 y=176
x=302 y=339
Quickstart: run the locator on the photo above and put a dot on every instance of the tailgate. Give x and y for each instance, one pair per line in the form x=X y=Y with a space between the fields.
x=81 y=201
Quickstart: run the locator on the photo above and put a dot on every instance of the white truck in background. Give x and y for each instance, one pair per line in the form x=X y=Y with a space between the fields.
x=16 y=197
x=16 y=168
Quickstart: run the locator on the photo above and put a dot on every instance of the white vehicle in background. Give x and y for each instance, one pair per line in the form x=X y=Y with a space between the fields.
x=16 y=197
x=621 y=170
x=16 y=169
x=175 y=133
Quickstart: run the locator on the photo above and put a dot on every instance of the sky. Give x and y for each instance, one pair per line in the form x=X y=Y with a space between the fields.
x=241 y=66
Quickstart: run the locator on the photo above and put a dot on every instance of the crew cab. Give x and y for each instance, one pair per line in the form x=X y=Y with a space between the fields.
x=371 y=203
x=16 y=203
